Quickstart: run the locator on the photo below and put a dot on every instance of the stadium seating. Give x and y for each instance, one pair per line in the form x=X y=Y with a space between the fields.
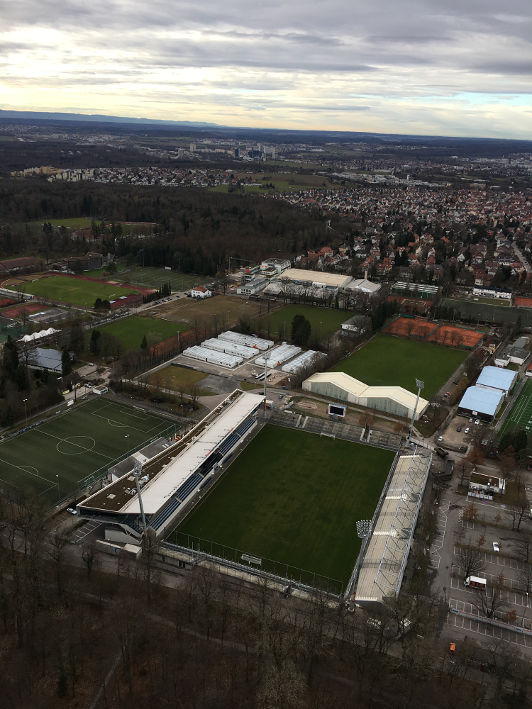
x=188 y=486
x=164 y=513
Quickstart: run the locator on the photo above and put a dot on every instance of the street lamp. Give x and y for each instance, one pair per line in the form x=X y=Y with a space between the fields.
x=58 y=488
x=25 y=410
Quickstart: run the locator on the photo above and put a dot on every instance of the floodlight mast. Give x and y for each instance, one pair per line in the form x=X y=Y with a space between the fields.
x=420 y=386
x=265 y=380
x=137 y=470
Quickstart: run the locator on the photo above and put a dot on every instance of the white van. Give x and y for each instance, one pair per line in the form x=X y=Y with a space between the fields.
x=475 y=582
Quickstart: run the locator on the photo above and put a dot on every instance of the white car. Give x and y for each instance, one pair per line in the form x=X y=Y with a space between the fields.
x=72 y=511
x=477 y=421
x=496 y=546
x=440 y=439
x=467 y=430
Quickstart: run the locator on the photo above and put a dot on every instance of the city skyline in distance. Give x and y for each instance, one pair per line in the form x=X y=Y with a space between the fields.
x=417 y=69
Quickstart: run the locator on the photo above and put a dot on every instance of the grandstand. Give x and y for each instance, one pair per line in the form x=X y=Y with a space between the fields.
x=385 y=554
x=169 y=480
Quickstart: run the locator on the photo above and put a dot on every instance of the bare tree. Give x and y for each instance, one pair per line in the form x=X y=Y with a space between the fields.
x=470 y=560
x=489 y=600
x=524 y=553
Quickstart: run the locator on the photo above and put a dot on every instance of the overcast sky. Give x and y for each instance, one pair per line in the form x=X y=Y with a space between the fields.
x=446 y=67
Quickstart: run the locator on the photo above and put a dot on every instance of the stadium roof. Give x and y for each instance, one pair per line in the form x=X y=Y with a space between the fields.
x=360 y=390
x=163 y=485
x=336 y=280
x=483 y=400
x=497 y=378
x=382 y=569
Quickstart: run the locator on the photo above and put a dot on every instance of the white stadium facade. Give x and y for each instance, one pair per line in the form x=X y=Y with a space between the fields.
x=389 y=399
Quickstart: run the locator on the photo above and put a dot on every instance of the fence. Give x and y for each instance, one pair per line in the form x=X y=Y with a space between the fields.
x=246 y=563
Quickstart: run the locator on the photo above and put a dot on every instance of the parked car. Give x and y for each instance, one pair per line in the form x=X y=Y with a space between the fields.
x=440 y=439
x=72 y=511
x=477 y=421
x=467 y=430
x=496 y=546
x=459 y=428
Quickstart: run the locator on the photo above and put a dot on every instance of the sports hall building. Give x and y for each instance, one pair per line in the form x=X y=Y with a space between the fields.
x=389 y=399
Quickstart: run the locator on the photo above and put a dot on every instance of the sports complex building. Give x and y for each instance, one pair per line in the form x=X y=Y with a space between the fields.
x=388 y=399
x=169 y=481
x=485 y=398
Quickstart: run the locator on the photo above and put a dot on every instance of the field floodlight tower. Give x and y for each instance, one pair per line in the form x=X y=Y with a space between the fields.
x=420 y=386
x=138 y=469
x=265 y=380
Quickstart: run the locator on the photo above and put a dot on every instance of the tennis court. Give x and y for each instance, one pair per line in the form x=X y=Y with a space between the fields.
x=76 y=447
x=521 y=414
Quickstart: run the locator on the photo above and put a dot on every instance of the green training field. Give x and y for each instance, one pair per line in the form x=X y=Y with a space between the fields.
x=77 y=291
x=388 y=361
x=293 y=497
x=323 y=321
x=156 y=277
x=521 y=414
x=130 y=331
x=54 y=458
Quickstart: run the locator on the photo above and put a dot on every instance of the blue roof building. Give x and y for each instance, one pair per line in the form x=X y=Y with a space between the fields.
x=497 y=378
x=481 y=402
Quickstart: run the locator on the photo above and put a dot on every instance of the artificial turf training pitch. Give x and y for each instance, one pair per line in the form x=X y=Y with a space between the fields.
x=292 y=497
x=521 y=414
x=53 y=459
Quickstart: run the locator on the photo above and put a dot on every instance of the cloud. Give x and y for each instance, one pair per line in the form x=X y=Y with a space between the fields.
x=302 y=63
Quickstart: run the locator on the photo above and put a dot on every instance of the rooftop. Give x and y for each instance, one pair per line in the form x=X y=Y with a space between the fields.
x=497 y=378
x=382 y=569
x=168 y=471
x=483 y=400
x=336 y=280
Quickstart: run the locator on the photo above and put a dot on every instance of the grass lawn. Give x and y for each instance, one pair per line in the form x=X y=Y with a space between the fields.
x=52 y=459
x=294 y=497
x=323 y=321
x=77 y=291
x=69 y=222
x=221 y=310
x=178 y=378
x=155 y=277
x=388 y=360
x=130 y=331
x=520 y=415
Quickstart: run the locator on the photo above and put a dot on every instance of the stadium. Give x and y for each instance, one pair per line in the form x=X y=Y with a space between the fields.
x=250 y=492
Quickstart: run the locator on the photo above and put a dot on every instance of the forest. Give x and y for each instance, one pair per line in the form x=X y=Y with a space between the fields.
x=197 y=230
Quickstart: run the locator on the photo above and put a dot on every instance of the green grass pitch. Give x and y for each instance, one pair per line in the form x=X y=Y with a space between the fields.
x=53 y=458
x=521 y=414
x=130 y=331
x=323 y=321
x=76 y=291
x=294 y=497
x=388 y=361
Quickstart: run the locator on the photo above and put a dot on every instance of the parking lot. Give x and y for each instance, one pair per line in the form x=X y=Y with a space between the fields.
x=465 y=617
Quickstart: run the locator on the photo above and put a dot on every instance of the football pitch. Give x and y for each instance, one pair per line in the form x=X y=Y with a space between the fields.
x=389 y=361
x=58 y=456
x=521 y=414
x=77 y=291
x=291 y=499
x=323 y=321
x=131 y=331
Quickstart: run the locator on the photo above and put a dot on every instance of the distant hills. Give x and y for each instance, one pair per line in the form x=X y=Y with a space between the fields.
x=95 y=118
